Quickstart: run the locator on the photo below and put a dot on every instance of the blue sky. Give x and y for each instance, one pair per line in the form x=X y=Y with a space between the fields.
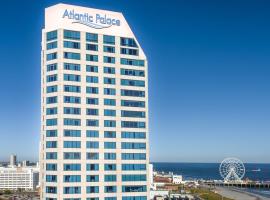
x=209 y=76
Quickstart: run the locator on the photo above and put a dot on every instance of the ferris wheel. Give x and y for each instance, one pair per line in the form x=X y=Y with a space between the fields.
x=232 y=170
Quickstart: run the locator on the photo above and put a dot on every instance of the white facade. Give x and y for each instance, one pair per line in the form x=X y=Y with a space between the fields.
x=13 y=178
x=13 y=160
x=177 y=179
x=94 y=107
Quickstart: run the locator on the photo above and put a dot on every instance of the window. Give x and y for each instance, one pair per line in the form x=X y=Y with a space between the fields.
x=126 y=61
x=93 y=58
x=109 y=49
x=92 y=156
x=109 y=91
x=72 y=122
x=51 y=67
x=109 y=80
x=52 y=78
x=72 y=111
x=110 y=156
x=72 y=88
x=72 y=178
x=92 y=144
x=91 y=133
x=109 y=145
x=126 y=51
x=109 y=70
x=72 y=155
x=92 y=189
x=74 y=35
x=71 y=66
x=92 y=178
x=92 y=90
x=108 y=112
x=72 y=45
x=51 y=45
x=51 y=122
x=110 y=102
x=72 y=144
x=92 y=47
x=108 y=59
x=108 y=39
x=133 y=167
x=51 y=56
x=71 y=55
x=109 y=134
x=110 y=167
x=133 y=93
x=110 y=178
x=51 y=35
x=72 y=77
x=134 y=177
x=110 y=198
x=51 y=89
x=51 y=155
x=132 y=72
x=109 y=123
x=51 y=133
x=51 y=144
x=72 y=99
x=133 y=156
x=91 y=79
x=51 y=111
x=92 y=122
x=129 y=82
x=133 y=145
x=110 y=189
x=51 y=190
x=130 y=42
x=131 y=103
x=134 y=188
x=50 y=100
x=91 y=37
x=134 y=198
x=51 y=167
x=72 y=190
x=72 y=167
x=92 y=101
x=91 y=68
x=129 y=124
x=133 y=135
x=129 y=113
x=92 y=167
x=91 y=111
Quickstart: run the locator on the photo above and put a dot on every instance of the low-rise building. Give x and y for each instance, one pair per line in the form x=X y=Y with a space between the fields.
x=14 y=178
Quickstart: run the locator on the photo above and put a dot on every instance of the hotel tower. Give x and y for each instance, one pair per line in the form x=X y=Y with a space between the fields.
x=94 y=107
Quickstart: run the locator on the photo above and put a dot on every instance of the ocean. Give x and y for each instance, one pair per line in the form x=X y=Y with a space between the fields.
x=210 y=171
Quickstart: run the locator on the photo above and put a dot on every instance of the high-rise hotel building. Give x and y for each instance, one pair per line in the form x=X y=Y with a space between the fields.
x=94 y=123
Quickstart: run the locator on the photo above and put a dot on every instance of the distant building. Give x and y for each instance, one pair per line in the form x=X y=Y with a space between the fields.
x=13 y=178
x=13 y=160
x=177 y=179
x=25 y=163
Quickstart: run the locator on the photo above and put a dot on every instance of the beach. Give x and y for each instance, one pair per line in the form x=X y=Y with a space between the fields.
x=238 y=194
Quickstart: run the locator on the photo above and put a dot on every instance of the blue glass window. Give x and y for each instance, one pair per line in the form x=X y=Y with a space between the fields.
x=92 y=156
x=51 y=167
x=110 y=189
x=110 y=102
x=131 y=103
x=72 y=77
x=91 y=111
x=72 y=45
x=109 y=49
x=72 y=155
x=92 y=122
x=109 y=80
x=51 y=190
x=72 y=133
x=72 y=99
x=129 y=82
x=51 y=122
x=51 y=155
x=92 y=144
x=92 y=101
x=51 y=67
x=129 y=113
x=133 y=93
x=109 y=70
x=132 y=72
x=92 y=90
x=51 y=89
x=51 y=45
x=74 y=35
x=108 y=39
x=91 y=79
x=92 y=167
x=52 y=35
x=126 y=61
x=92 y=133
x=131 y=124
x=133 y=145
x=52 y=78
x=92 y=189
x=91 y=68
x=51 y=111
x=134 y=177
x=108 y=59
x=51 y=133
x=50 y=100
x=72 y=122
x=72 y=178
x=109 y=145
x=110 y=167
x=133 y=167
x=72 y=88
x=51 y=144
x=109 y=134
x=93 y=58
x=72 y=111
x=71 y=55
x=92 y=178
x=71 y=66
x=133 y=156
x=109 y=91
x=130 y=42
x=51 y=56
x=92 y=47
x=72 y=190
x=108 y=112
x=110 y=156
x=72 y=167
x=134 y=135
x=109 y=123
x=127 y=51
x=91 y=37
x=134 y=188
x=110 y=178
x=72 y=144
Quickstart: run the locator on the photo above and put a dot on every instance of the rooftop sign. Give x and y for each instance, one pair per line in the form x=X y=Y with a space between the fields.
x=97 y=21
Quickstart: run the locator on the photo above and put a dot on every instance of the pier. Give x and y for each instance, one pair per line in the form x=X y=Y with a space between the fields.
x=239 y=185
